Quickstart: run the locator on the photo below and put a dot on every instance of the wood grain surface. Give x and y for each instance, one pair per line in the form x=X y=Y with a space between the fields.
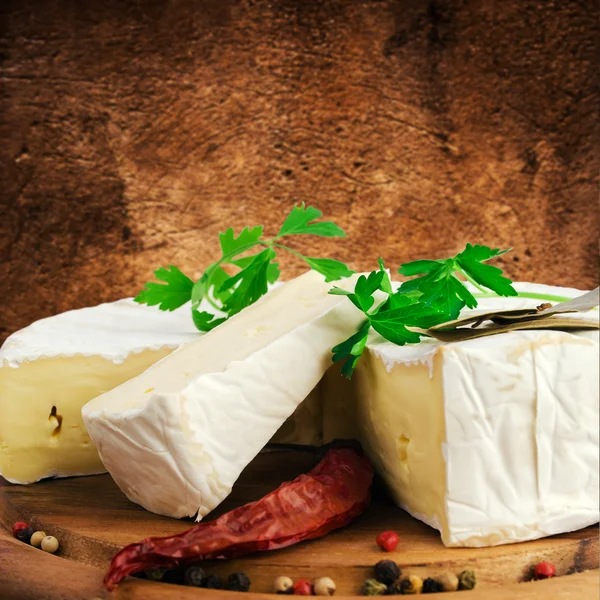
x=134 y=130
x=93 y=520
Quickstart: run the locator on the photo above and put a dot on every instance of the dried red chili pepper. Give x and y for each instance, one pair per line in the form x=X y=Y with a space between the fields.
x=336 y=491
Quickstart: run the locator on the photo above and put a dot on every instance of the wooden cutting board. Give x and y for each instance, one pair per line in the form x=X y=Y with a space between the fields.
x=93 y=519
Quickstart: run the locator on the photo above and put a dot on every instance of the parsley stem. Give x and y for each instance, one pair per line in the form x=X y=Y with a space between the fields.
x=532 y=295
x=472 y=281
x=288 y=249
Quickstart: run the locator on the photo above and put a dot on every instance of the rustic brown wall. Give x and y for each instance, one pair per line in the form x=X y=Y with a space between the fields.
x=133 y=131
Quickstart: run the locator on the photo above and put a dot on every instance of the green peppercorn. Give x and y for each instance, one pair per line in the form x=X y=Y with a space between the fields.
x=194 y=576
x=238 y=582
x=213 y=582
x=449 y=581
x=372 y=587
x=467 y=580
x=431 y=586
x=155 y=574
x=387 y=571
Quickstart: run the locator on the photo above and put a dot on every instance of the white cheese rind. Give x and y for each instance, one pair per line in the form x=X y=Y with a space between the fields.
x=112 y=331
x=521 y=444
x=515 y=417
x=176 y=438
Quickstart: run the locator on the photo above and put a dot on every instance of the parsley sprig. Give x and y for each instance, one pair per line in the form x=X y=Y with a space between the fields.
x=435 y=296
x=229 y=294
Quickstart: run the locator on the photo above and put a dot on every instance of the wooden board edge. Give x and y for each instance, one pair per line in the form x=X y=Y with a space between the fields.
x=27 y=573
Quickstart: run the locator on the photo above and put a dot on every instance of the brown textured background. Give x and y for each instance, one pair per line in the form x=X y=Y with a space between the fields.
x=133 y=131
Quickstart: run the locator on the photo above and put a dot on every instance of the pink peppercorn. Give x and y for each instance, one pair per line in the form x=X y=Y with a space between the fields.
x=544 y=570
x=303 y=587
x=388 y=540
x=19 y=526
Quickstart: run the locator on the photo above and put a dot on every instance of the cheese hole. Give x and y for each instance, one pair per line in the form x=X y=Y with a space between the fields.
x=402 y=445
x=57 y=420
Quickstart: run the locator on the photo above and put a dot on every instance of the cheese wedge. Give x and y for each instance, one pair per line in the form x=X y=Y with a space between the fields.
x=49 y=370
x=176 y=438
x=492 y=440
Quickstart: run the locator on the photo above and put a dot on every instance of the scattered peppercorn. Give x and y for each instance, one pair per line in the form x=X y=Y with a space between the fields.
x=372 y=587
x=324 y=586
x=544 y=570
x=387 y=571
x=431 y=586
x=173 y=576
x=413 y=584
x=303 y=587
x=213 y=582
x=238 y=582
x=467 y=580
x=194 y=576
x=36 y=539
x=284 y=585
x=388 y=540
x=449 y=581
x=24 y=535
x=49 y=544
x=140 y=575
x=155 y=574
x=18 y=526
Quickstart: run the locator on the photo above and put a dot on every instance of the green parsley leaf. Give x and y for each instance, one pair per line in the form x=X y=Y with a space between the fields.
x=205 y=321
x=173 y=293
x=249 y=284
x=471 y=261
x=386 y=284
x=330 y=268
x=392 y=324
x=299 y=222
x=439 y=286
x=362 y=296
x=435 y=296
x=232 y=246
x=351 y=349
x=229 y=294
x=418 y=267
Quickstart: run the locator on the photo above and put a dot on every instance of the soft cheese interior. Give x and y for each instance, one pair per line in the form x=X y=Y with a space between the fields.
x=51 y=369
x=176 y=438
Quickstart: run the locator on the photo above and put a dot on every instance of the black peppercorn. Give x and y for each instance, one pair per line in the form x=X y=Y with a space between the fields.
x=431 y=586
x=387 y=571
x=213 y=582
x=140 y=575
x=238 y=582
x=24 y=535
x=173 y=576
x=194 y=576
